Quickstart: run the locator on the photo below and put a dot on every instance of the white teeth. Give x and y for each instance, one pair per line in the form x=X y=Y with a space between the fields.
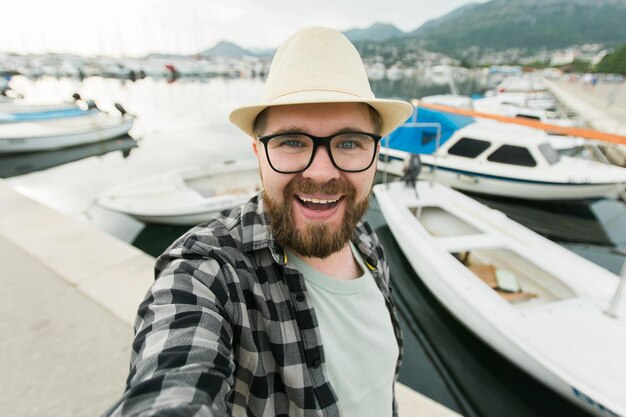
x=317 y=201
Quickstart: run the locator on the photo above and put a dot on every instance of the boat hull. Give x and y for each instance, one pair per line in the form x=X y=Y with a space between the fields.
x=86 y=135
x=518 y=188
x=502 y=186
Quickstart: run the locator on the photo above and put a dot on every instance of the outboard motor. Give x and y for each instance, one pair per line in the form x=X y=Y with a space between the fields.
x=120 y=108
x=412 y=169
x=92 y=105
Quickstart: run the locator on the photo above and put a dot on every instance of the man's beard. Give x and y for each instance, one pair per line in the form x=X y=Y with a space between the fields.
x=316 y=240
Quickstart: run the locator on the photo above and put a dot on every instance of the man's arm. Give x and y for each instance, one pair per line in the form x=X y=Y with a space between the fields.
x=182 y=360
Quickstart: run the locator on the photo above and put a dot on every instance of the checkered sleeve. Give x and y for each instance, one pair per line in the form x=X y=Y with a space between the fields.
x=182 y=359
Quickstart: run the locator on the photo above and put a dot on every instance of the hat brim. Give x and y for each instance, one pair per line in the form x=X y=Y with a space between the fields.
x=392 y=112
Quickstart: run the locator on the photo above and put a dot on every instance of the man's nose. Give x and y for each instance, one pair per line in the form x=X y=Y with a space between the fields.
x=321 y=169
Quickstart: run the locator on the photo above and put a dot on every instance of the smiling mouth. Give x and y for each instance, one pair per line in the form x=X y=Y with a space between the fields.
x=317 y=204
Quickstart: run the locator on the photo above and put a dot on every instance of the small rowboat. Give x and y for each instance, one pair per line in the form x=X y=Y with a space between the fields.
x=187 y=196
x=543 y=307
x=43 y=135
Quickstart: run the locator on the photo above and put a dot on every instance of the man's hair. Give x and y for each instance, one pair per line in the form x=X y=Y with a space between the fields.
x=260 y=123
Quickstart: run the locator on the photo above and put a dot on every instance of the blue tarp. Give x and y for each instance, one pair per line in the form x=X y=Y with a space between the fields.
x=422 y=139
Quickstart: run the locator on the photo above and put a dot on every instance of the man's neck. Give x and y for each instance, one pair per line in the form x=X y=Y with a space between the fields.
x=340 y=265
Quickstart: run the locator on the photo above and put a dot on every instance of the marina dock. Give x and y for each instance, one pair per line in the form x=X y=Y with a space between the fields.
x=602 y=107
x=71 y=292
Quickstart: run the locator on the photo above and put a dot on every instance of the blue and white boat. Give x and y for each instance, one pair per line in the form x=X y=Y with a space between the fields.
x=44 y=135
x=494 y=158
x=16 y=111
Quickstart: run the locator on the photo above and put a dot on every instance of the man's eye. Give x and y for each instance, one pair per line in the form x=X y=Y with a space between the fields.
x=292 y=143
x=347 y=145
x=289 y=142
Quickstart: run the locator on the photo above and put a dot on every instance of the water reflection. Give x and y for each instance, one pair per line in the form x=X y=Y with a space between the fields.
x=24 y=163
x=424 y=84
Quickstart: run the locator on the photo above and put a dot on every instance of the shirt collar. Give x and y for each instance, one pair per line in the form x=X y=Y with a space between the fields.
x=256 y=233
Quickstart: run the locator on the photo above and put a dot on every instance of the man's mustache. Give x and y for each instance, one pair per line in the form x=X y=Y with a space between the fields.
x=300 y=185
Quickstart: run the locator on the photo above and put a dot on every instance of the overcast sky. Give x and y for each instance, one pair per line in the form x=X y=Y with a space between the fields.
x=137 y=27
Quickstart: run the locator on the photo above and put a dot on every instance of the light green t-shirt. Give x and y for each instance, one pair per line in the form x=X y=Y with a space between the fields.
x=359 y=343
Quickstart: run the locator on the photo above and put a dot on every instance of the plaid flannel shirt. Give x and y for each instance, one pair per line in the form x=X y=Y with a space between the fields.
x=228 y=329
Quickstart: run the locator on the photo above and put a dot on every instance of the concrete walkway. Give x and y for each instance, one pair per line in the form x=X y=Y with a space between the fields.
x=70 y=296
x=70 y=293
x=603 y=107
x=62 y=354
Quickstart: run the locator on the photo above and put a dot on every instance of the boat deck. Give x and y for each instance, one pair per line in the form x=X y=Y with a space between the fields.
x=595 y=355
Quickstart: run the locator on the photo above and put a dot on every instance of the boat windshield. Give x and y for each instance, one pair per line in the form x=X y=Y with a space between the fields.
x=548 y=152
x=469 y=148
x=513 y=155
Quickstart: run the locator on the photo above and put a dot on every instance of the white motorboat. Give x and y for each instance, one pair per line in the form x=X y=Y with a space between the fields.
x=522 y=84
x=541 y=100
x=499 y=104
x=451 y=100
x=536 y=303
x=64 y=132
x=187 y=196
x=494 y=158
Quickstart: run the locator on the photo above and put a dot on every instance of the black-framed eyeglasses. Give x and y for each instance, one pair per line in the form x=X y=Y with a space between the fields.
x=293 y=152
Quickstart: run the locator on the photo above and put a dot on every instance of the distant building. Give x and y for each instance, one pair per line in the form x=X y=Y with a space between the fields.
x=563 y=57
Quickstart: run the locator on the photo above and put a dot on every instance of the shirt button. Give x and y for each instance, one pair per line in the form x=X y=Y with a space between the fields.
x=317 y=363
x=300 y=297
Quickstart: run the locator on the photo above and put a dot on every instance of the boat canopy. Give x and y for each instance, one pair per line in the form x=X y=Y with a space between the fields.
x=419 y=133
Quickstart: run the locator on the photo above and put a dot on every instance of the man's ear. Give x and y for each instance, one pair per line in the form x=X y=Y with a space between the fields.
x=255 y=147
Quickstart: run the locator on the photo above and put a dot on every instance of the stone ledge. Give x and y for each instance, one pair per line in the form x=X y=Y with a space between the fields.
x=112 y=273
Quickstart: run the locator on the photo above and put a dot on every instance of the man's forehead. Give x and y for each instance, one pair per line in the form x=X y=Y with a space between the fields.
x=319 y=115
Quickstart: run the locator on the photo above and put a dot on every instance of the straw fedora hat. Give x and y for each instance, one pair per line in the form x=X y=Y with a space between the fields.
x=319 y=65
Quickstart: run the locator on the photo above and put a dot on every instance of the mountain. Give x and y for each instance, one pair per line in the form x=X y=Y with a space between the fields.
x=378 y=32
x=529 y=24
x=263 y=52
x=431 y=24
x=226 y=49
x=159 y=55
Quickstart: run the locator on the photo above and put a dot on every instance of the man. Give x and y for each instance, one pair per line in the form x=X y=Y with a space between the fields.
x=282 y=307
